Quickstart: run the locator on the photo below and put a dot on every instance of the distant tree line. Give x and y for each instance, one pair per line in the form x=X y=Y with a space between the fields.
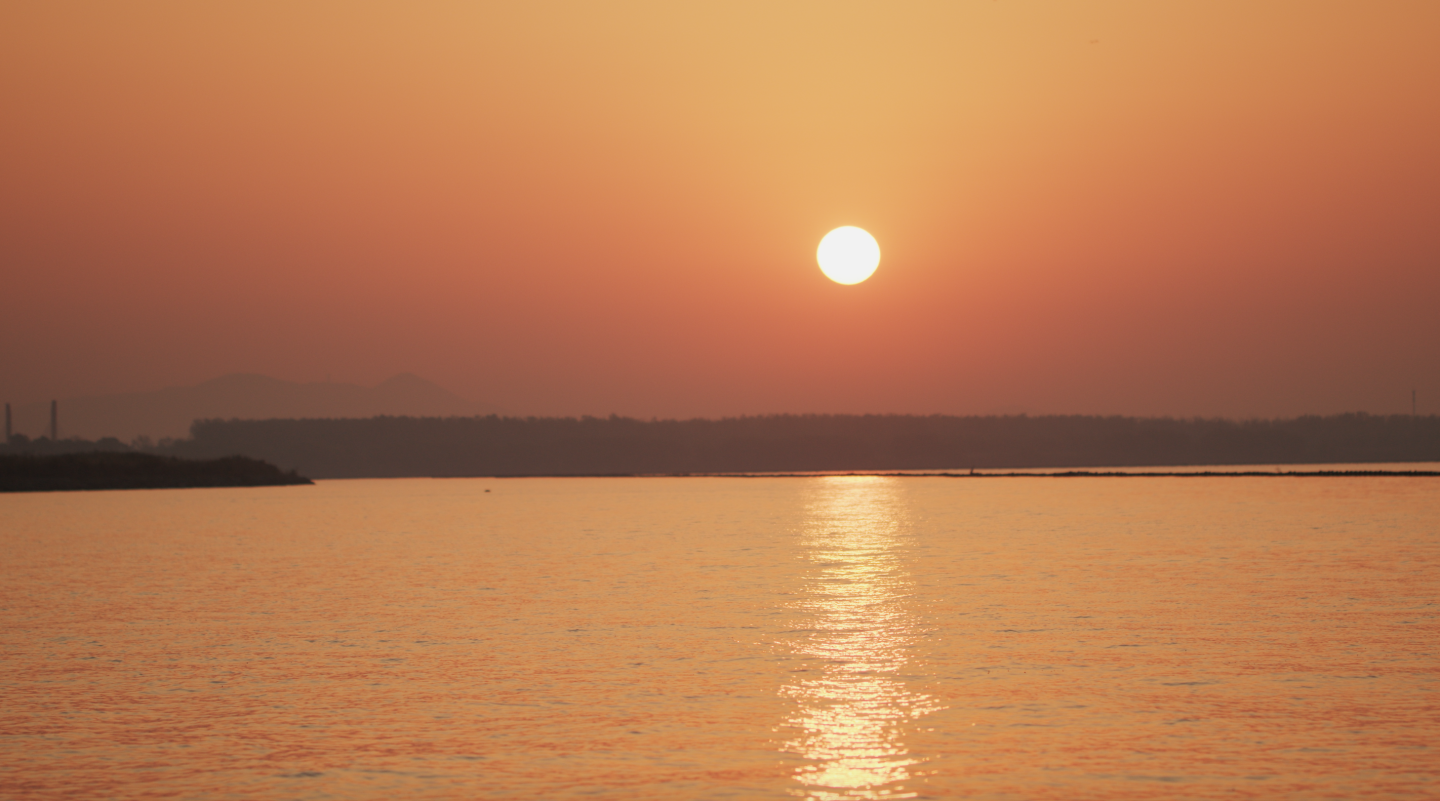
x=509 y=446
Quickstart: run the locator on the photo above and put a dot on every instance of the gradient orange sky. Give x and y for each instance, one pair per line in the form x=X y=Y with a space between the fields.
x=1179 y=208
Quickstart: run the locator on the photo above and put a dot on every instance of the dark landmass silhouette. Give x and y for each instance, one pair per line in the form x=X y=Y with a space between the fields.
x=508 y=446
x=1115 y=474
x=168 y=413
x=44 y=446
x=101 y=470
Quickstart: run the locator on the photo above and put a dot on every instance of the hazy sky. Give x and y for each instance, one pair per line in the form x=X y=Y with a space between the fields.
x=1183 y=208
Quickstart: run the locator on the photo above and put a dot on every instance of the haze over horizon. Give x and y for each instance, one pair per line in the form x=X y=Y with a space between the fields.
x=170 y=411
x=1195 y=209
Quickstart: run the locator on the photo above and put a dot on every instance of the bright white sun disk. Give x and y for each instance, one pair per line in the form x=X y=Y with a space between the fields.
x=848 y=255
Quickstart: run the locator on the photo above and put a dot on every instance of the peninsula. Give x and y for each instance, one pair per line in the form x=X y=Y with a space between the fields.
x=100 y=470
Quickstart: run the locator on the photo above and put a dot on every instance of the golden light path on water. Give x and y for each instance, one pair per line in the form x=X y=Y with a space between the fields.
x=855 y=708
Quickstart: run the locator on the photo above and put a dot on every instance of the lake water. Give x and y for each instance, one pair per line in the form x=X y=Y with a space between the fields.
x=749 y=638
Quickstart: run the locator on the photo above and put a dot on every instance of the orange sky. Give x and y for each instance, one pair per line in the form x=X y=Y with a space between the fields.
x=1183 y=208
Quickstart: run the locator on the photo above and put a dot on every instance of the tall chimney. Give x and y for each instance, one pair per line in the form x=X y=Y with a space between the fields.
x=54 y=422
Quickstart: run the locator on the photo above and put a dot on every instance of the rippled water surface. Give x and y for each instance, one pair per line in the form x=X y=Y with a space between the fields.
x=823 y=637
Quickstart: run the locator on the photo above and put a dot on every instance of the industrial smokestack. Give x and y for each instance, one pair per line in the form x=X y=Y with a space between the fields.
x=54 y=421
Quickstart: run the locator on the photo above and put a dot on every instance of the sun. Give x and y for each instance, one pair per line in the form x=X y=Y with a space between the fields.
x=848 y=255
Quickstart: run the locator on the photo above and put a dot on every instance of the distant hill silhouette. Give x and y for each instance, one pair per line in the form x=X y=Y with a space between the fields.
x=500 y=446
x=245 y=396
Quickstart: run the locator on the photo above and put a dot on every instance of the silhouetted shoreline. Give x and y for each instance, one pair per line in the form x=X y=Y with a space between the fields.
x=395 y=447
x=979 y=474
x=1093 y=474
x=456 y=447
x=101 y=470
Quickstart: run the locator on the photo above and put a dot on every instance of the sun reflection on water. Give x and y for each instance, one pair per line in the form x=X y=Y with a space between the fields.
x=855 y=714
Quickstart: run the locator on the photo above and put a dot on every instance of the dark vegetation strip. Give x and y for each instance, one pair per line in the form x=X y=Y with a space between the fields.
x=383 y=447
x=99 y=470
x=1031 y=474
x=1112 y=474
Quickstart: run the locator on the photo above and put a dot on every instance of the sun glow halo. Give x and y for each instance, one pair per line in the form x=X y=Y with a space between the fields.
x=848 y=255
